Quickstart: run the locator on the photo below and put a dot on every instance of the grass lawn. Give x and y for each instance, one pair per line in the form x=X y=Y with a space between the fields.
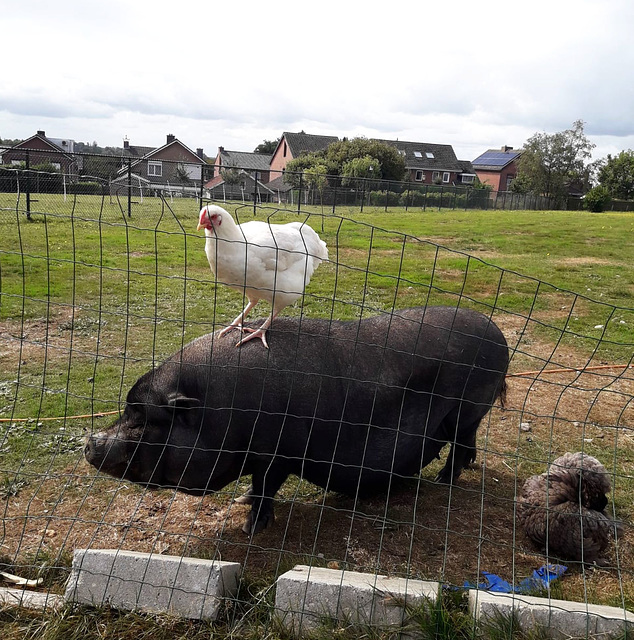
x=90 y=299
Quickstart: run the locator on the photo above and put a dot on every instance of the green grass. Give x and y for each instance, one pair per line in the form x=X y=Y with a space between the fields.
x=90 y=299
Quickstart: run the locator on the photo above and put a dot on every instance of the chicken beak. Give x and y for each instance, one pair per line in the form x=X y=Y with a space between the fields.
x=199 y=227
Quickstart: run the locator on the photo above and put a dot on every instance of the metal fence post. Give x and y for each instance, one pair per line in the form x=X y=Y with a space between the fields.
x=129 y=188
x=28 y=186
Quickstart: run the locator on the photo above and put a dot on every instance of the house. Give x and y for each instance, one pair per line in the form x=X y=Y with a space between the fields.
x=39 y=149
x=242 y=185
x=174 y=166
x=256 y=164
x=428 y=163
x=293 y=145
x=497 y=167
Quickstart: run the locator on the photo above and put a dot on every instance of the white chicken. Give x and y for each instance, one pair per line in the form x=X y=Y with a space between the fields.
x=266 y=261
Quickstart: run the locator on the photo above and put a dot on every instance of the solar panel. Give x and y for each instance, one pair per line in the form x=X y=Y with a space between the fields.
x=495 y=158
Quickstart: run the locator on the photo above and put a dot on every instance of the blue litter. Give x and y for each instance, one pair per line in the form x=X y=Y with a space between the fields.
x=540 y=579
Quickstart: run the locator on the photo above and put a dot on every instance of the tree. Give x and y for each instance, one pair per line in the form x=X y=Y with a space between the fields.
x=617 y=175
x=388 y=162
x=365 y=167
x=550 y=163
x=315 y=177
x=268 y=146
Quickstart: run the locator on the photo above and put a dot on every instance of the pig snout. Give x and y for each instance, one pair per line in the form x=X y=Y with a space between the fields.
x=97 y=448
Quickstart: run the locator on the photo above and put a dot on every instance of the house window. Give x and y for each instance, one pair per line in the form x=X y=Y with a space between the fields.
x=468 y=178
x=429 y=154
x=56 y=165
x=509 y=181
x=445 y=176
x=418 y=154
x=420 y=176
x=435 y=176
x=154 y=168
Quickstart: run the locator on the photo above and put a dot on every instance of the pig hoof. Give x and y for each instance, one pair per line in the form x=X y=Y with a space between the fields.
x=246 y=497
x=445 y=476
x=252 y=528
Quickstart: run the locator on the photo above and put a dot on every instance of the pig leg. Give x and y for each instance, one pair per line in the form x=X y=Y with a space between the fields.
x=265 y=484
x=246 y=497
x=461 y=455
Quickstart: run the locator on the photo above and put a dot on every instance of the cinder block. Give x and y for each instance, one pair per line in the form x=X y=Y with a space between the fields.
x=31 y=599
x=562 y=618
x=187 y=587
x=306 y=596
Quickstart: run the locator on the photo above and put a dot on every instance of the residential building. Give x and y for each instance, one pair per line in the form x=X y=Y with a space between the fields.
x=497 y=167
x=258 y=165
x=173 y=166
x=428 y=163
x=292 y=145
x=39 y=150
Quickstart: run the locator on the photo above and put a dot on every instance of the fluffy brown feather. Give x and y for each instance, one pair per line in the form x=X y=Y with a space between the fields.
x=563 y=509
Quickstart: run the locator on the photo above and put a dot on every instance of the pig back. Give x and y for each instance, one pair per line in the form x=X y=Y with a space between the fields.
x=330 y=398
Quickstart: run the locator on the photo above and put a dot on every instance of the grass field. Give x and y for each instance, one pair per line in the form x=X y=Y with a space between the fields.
x=90 y=299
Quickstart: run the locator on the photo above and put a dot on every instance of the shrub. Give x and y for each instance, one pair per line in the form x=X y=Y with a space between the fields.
x=597 y=199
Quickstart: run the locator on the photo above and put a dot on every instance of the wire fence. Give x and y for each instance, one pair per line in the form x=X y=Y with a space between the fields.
x=95 y=293
x=130 y=179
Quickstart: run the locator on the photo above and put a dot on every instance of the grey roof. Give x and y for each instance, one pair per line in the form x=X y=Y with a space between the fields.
x=299 y=143
x=245 y=160
x=495 y=159
x=279 y=184
x=426 y=155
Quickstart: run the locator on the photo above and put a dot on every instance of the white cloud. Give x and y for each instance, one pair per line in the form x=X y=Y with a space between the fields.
x=474 y=75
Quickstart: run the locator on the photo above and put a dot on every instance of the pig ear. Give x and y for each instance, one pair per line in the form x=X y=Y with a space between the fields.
x=181 y=401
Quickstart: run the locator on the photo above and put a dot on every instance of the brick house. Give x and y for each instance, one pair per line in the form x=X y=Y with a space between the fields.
x=172 y=166
x=497 y=167
x=292 y=145
x=43 y=150
x=428 y=163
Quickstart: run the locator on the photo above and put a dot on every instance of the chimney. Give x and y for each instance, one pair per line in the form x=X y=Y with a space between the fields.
x=170 y=138
x=126 y=143
x=42 y=133
x=221 y=149
x=506 y=148
x=199 y=153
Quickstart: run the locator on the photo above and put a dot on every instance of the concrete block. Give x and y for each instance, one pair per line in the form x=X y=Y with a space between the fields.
x=306 y=595
x=30 y=599
x=187 y=587
x=562 y=618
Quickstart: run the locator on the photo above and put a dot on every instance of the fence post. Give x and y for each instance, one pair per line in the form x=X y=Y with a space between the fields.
x=334 y=198
x=299 y=195
x=129 y=188
x=28 y=187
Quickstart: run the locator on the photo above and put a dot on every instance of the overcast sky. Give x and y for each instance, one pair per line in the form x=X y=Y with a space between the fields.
x=473 y=74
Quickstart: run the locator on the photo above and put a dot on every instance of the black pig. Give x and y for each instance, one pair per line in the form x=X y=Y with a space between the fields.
x=347 y=405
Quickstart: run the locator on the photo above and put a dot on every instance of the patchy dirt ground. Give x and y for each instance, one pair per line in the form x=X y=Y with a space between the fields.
x=421 y=530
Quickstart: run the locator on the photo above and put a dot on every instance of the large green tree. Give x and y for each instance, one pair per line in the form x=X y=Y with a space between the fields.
x=344 y=158
x=616 y=174
x=551 y=163
x=268 y=146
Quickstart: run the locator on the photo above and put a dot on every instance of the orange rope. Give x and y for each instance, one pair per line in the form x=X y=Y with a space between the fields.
x=594 y=368
x=87 y=415
x=510 y=375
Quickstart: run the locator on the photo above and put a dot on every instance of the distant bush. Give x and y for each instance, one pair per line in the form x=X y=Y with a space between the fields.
x=597 y=199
